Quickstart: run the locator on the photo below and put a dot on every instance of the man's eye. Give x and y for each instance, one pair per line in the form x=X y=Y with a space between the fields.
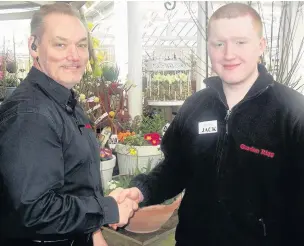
x=240 y=42
x=83 y=46
x=60 y=45
x=219 y=44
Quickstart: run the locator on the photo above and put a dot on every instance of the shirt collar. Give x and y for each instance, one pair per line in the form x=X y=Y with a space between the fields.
x=264 y=80
x=55 y=90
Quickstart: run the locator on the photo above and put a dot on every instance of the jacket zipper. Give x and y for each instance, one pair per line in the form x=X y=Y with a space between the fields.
x=264 y=227
x=227 y=117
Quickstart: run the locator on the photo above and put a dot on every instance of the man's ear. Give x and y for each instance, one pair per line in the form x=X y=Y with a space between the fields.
x=33 y=47
x=263 y=45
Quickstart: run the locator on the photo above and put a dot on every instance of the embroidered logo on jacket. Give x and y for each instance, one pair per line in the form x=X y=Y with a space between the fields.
x=88 y=126
x=206 y=127
x=263 y=152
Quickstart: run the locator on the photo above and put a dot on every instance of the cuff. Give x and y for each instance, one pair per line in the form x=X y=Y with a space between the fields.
x=140 y=182
x=110 y=210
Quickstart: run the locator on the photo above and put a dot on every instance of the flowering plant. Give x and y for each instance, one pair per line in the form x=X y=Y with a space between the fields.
x=105 y=154
x=153 y=138
x=142 y=131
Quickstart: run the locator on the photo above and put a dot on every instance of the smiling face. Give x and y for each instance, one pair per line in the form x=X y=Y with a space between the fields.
x=63 y=49
x=234 y=47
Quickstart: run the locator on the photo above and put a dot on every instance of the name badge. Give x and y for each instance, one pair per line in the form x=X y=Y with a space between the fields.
x=206 y=127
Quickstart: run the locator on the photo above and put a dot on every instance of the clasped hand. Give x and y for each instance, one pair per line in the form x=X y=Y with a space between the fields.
x=127 y=201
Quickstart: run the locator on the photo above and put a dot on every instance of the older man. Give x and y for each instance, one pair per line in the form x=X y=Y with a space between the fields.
x=49 y=162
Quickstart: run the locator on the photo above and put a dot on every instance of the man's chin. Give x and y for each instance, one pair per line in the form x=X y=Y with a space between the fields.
x=231 y=81
x=69 y=83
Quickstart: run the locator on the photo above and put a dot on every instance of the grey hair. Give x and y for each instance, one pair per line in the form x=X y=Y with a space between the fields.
x=57 y=8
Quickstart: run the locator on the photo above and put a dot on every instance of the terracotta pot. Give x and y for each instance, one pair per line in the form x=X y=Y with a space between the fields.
x=152 y=218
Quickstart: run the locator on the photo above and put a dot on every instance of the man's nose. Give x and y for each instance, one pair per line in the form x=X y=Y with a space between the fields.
x=73 y=53
x=229 y=52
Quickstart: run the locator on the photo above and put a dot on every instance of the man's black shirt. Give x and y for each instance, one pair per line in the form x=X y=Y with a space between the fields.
x=49 y=165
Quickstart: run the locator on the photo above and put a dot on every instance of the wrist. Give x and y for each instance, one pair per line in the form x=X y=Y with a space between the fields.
x=141 y=196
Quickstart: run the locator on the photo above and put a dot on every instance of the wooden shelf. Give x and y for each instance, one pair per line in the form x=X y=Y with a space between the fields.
x=165 y=103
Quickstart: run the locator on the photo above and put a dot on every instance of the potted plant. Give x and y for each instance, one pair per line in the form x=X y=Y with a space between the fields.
x=139 y=144
x=10 y=83
x=107 y=159
x=158 y=215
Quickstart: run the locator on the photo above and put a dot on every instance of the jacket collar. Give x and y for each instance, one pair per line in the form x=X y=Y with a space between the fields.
x=53 y=89
x=263 y=81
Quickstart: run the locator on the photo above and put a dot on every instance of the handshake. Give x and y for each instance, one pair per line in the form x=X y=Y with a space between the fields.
x=127 y=201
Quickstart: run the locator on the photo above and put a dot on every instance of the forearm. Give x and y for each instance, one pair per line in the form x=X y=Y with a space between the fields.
x=64 y=214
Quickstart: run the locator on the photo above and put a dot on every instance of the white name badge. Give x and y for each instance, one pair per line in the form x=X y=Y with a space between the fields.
x=206 y=127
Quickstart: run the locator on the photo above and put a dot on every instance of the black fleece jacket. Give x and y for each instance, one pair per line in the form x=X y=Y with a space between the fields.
x=242 y=169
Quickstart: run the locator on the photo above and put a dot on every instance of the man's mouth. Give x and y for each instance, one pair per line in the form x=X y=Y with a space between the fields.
x=230 y=66
x=71 y=67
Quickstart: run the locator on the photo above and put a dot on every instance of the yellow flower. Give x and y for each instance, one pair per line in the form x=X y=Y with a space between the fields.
x=91 y=61
x=112 y=114
x=96 y=99
x=82 y=97
x=99 y=56
x=95 y=42
x=90 y=26
x=133 y=151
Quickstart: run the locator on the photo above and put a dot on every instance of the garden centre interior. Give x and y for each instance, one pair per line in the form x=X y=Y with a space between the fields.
x=148 y=58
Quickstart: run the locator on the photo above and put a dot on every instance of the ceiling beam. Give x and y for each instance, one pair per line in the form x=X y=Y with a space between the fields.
x=40 y=3
x=17 y=16
x=14 y=5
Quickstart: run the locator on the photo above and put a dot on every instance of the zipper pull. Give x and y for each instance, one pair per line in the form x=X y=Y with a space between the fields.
x=264 y=226
x=227 y=115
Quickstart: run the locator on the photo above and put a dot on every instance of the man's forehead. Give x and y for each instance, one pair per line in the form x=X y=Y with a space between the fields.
x=237 y=26
x=62 y=23
x=233 y=27
x=66 y=31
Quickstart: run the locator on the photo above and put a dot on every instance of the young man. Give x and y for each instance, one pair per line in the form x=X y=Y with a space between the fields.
x=236 y=148
x=49 y=174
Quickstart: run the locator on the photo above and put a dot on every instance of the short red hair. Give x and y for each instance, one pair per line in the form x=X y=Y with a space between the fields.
x=234 y=10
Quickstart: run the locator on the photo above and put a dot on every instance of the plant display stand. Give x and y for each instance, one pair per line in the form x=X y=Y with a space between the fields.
x=125 y=238
x=167 y=80
x=127 y=163
x=106 y=171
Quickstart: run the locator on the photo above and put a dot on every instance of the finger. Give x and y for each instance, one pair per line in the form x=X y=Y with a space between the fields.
x=131 y=215
x=135 y=206
x=122 y=196
x=113 y=226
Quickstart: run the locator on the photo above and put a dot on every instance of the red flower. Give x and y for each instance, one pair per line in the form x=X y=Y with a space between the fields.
x=155 y=142
x=153 y=138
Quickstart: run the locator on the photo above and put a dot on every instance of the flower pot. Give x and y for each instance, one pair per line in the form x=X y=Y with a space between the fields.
x=152 y=218
x=128 y=162
x=106 y=171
